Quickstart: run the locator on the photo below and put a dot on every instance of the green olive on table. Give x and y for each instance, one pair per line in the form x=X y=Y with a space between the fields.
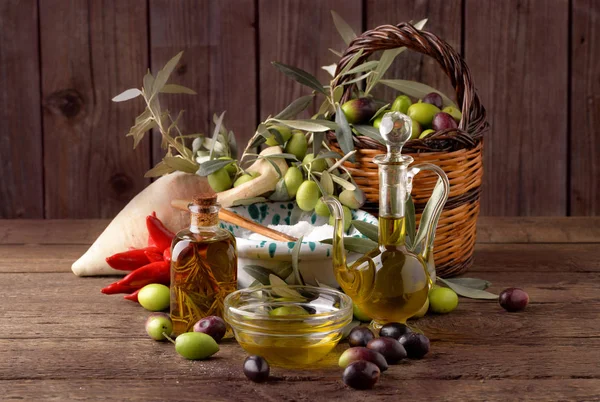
x=154 y=297
x=308 y=195
x=442 y=300
x=422 y=113
x=196 y=345
x=219 y=180
x=158 y=325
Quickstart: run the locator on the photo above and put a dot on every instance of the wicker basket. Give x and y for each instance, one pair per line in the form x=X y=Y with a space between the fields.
x=457 y=151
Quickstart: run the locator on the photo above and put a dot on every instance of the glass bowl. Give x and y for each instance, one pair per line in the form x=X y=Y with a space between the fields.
x=290 y=326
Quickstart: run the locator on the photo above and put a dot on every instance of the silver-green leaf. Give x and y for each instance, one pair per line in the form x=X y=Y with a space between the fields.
x=367 y=229
x=468 y=292
x=415 y=89
x=343 y=133
x=300 y=76
x=343 y=28
x=127 y=95
x=297 y=106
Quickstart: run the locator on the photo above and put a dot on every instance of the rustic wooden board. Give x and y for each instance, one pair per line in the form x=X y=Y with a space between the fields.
x=585 y=106
x=489 y=230
x=22 y=185
x=444 y=20
x=235 y=387
x=298 y=33
x=518 y=52
x=91 y=51
x=219 y=43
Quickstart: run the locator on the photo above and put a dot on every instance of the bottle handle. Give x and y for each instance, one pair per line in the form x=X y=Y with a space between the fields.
x=423 y=242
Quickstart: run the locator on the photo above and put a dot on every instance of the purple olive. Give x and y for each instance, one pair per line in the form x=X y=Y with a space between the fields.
x=513 y=299
x=213 y=326
x=416 y=345
x=433 y=98
x=360 y=336
x=362 y=353
x=256 y=369
x=361 y=375
x=394 y=330
x=443 y=121
x=389 y=348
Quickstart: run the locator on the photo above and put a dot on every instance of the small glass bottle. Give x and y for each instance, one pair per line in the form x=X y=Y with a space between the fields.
x=203 y=266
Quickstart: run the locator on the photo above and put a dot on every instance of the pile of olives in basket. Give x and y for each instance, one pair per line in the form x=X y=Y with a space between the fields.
x=369 y=356
x=428 y=114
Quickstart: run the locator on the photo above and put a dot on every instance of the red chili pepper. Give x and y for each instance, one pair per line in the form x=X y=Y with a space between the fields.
x=158 y=233
x=154 y=256
x=155 y=272
x=131 y=259
x=133 y=296
x=167 y=255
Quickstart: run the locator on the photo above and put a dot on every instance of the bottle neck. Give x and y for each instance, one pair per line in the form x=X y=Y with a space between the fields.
x=392 y=190
x=203 y=217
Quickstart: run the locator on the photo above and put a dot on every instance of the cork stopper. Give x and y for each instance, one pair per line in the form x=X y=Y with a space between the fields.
x=205 y=200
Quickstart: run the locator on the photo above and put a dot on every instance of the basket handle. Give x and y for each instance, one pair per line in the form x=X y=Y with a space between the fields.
x=404 y=34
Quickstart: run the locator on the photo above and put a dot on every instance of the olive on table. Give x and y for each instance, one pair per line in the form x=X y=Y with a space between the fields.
x=454 y=112
x=154 y=297
x=443 y=121
x=416 y=345
x=196 y=345
x=293 y=179
x=213 y=326
x=434 y=98
x=394 y=330
x=308 y=195
x=422 y=113
x=297 y=145
x=442 y=300
x=360 y=336
x=256 y=368
x=361 y=375
x=389 y=348
x=513 y=299
x=158 y=325
x=219 y=180
x=362 y=353
x=401 y=104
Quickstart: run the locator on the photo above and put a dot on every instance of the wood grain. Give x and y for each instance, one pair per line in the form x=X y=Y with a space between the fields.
x=91 y=51
x=22 y=186
x=585 y=108
x=298 y=33
x=219 y=43
x=444 y=19
x=517 y=51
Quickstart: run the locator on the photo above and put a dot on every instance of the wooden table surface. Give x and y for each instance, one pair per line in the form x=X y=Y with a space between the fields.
x=61 y=339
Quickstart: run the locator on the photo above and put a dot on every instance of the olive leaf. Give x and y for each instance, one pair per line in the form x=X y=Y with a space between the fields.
x=216 y=134
x=318 y=139
x=341 y=161
x=330 y=69
x=343 y=28
x=346 y=185
x=164 y=74
x=300 y=76
x=367 y=229
x=177 y=89
x=273 y=164
x=415 y=89
x=327 y=183
x=279 y=156
x=352 y=62
x=428 y=220
x=307 y=125
x=127 y=95
x=380 y=112
x=368 y=66
x=148 y=81
x=343 y=133
x=410 y=219
x=281 y=192
x=261 y=274
x=248 y=201
x=468 y=292
x=335 y=52
x=369 y=131
x=282 y=289
x=297 y=106
x=181 y=164
x=211 y=166
x=329 y=154
x=357 y=79
x=295 y=262
x=318 y=183
x=160 y=169
x=472 y=283
x=255 y=284
x=355 y=244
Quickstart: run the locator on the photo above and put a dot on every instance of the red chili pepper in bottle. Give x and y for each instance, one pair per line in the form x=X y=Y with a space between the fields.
x=155 y=272
x=132 y=296
x=131 y=259
x=158 y=233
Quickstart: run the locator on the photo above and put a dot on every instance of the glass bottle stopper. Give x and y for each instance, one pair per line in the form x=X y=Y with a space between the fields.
x=396 y=129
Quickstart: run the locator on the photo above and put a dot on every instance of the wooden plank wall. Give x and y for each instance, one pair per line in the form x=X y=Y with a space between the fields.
x=63 y=152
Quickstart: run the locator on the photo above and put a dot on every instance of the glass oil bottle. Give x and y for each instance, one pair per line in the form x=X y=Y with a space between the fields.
x=203 y=266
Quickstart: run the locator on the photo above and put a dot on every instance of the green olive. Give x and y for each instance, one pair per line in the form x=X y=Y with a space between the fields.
x=315 y=165
x=401 y=104
x=442 y=300
x=285 y=133
x=297 y=145
x=426 y=133
x=347 y=218
x=288 y=310
x=196 y=345
x=231 y=169
x=416 y=129
x=293 y=179
x=423 y=113
x=321 y=209
x=454 y=112
x=377 y=121
x=154 y=297
x=219 y=180
x=245 y=178
x=307 y=195
x=158 y=325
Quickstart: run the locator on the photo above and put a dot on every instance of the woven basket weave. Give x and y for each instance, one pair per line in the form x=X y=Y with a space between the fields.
x=457 y=151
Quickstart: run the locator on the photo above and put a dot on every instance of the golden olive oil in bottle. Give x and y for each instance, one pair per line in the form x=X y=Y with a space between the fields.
x=203 y=266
